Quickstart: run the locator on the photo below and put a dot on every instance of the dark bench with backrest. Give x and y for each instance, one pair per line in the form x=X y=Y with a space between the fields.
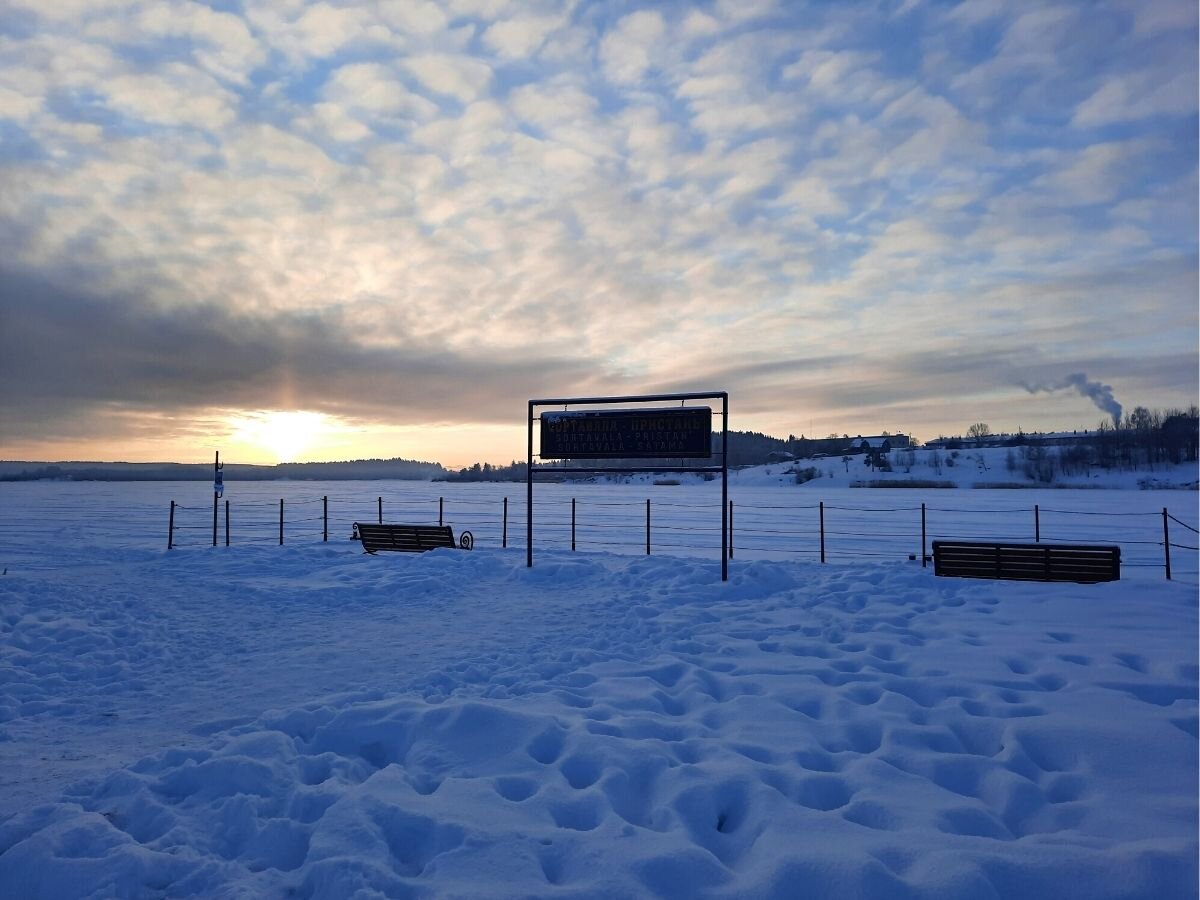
x=1084 y=563
x=409 y=538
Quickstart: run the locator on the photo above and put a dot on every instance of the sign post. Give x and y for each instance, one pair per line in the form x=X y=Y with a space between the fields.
x=218 y=490
x=638 y=433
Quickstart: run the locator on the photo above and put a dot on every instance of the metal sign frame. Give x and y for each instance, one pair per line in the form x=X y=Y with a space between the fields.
x=722 y=469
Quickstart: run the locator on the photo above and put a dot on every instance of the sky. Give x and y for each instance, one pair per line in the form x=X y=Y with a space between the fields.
x=295 y=230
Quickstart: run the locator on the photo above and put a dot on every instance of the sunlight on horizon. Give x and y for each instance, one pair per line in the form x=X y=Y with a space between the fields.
x=269 y=436
x=287 y=436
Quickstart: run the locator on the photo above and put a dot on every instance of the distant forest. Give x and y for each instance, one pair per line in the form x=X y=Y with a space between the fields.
x=355 y=470
x=1145 y=438
x=746 y=448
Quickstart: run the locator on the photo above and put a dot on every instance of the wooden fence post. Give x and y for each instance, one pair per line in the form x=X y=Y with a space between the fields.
x=171 y=528
x=325 y=518
x=504 y=526
x=280 y=521
x=647 y=526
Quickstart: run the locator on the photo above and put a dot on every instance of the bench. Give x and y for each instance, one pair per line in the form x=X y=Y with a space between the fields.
x=1082 y=563
x=408 y=538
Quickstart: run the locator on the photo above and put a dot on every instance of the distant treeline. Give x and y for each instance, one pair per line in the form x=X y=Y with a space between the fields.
x=354 y=470
x=746 y=448
x=1146 y=439
x=514 y=471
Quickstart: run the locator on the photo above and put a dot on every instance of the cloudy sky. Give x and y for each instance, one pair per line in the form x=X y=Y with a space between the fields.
x=326 y=230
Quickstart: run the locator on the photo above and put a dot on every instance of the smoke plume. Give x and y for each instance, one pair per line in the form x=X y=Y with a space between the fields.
x=1100 y=394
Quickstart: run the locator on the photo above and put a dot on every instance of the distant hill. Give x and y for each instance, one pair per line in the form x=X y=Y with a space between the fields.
x=356 y=470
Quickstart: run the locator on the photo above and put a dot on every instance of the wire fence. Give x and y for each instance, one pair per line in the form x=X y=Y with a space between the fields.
x=827 y=532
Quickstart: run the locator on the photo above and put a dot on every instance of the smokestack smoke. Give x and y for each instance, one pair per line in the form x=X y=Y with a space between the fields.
x=1100 y=394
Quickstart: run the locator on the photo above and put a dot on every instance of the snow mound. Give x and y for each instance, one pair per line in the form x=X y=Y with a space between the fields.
x=825 y=731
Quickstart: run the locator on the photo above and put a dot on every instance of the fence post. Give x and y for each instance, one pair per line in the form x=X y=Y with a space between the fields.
x=226 y=523
x=572 y=524
x=1037 y=523
x=1166 y=545
x=504 y=526
x=380 y=510
x=822 y=515
x=280 y=521
x=731 y=529
x=647 y=526
x=440 y=508
x=923 y=563
x=325 y=518
x=214 y=518
x=171 y=528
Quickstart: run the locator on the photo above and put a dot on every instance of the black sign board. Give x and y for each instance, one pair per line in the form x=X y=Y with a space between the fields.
x=675 y=433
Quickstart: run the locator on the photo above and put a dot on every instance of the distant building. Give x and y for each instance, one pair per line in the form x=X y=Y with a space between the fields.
x=880 y=443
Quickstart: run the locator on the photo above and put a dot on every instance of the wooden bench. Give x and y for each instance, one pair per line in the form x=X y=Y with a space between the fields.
x=408 y=538
x=1083 y=563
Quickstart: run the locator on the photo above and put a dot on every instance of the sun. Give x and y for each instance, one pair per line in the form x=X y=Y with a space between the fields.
x=285 y=435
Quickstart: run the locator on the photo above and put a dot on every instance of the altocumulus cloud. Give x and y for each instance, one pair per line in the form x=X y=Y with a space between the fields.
x=900 y=212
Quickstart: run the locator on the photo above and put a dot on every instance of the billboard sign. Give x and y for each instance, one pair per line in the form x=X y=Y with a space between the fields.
x=673 y=433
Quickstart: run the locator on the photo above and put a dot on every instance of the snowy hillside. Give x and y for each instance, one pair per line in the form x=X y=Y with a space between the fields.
x=985 y=467
x=306 y=721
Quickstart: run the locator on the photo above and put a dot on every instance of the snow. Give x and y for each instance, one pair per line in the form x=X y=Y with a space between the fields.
x=967 y=468
x=308 y=721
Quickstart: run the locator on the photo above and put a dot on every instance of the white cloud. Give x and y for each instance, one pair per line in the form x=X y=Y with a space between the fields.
x=1095 y=174
x=324 y=29
x=335 y=121
x=843 y=77
x=65 y=11
x=227 y=49
x=412 y=16
x=1178 y=17
x=814 y=196
x=738 y=11
x=548 y=104
x=975 y=12
x=463 y=78
x=1127 y=98
x=17 y=106
x=521 y=36
x=375 y=89
x=483 y=9
x=174 y=95
x=629 y=49
x=697 y=24
x=943 y=134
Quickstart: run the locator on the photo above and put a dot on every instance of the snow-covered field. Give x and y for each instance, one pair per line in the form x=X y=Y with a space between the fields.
x=308 y=721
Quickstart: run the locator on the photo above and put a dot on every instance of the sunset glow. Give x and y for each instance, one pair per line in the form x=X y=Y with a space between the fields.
x=283 y=436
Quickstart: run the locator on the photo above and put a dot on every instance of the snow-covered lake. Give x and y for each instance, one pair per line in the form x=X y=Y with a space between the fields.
x=43 y=523
x=308 y=721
